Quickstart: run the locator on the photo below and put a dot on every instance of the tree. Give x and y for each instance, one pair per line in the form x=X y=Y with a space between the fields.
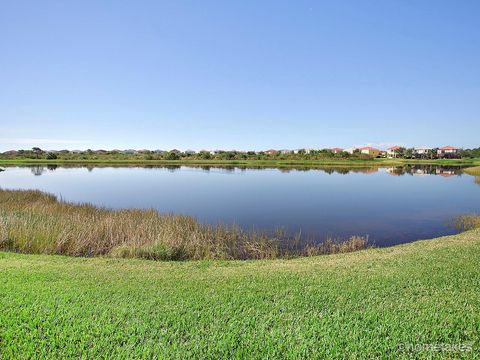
x=51 y=156
x=37 y=151
x=409 y=153
x=172 y=155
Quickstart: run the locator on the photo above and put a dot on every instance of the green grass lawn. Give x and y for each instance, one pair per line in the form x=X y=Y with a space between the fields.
x=361 y=305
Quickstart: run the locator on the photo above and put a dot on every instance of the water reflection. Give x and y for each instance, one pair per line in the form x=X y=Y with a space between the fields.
x=420 y=170
x=415 y=170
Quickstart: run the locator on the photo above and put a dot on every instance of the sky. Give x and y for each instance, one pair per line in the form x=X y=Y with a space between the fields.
x=242 y=75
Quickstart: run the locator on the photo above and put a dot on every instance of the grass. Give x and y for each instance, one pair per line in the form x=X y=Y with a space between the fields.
x=377 y=303
x=256 y=163
x=35 y=222
x=473 y=170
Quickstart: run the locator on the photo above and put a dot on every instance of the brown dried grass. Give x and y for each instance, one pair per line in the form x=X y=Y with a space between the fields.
x=35 y=222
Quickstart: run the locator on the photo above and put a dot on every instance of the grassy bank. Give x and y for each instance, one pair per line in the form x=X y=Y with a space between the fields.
x=35 y=222
x=473 y=171
x=419 y=300
x=254 y=163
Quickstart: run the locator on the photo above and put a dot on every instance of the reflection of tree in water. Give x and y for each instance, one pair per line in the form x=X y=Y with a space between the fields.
x=37 y=170
x=172 y=168
x=477 y=180
x=52 y=167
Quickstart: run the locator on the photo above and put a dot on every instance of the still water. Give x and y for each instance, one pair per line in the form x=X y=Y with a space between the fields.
x=390 y=205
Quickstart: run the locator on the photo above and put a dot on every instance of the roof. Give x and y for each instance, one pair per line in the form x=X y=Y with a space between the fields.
x=448 y=148
x=393 y=148
x=336 y=149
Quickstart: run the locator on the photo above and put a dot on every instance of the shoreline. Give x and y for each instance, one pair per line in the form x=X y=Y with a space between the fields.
x=256 y=163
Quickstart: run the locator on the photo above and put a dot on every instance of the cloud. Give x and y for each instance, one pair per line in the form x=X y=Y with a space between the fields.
x=40 y=141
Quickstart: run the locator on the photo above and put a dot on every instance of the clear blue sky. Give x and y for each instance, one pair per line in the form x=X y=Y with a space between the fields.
x=239 y=74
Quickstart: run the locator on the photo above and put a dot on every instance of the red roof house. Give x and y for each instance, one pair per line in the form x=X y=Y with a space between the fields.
x=447 y=151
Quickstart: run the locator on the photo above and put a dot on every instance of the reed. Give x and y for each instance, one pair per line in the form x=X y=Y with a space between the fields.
x=473 y=170
x=467 y=222
x=35 y=222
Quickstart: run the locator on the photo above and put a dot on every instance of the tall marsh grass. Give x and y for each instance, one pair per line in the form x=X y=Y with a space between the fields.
x=473 y=170
x=35 y=222
x=467 y=222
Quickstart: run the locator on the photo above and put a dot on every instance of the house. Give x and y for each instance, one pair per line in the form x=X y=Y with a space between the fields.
x=286 y=151
x=422 y=150
x=271 y=152
x=350 y=150
x=394 y=151
x=368 y=150
x=336 y=150
x=447 y=151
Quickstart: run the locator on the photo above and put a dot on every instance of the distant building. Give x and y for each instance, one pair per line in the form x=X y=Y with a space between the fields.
x=447 y=151
x=368 y=150
x=350 y=150
x=286 y=151
x=271 y=152
x=336 y=150
x=422 y=150
x=393 y=151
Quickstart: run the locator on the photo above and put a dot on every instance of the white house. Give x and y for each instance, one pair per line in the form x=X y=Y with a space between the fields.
x=422 y=150
x=393 y=151
x=447 y=151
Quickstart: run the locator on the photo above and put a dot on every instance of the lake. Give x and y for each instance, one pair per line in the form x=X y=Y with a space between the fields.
x=390 y=205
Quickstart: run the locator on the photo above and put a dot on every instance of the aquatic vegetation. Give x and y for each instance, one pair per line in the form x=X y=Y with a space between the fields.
x=35 y=222
x=467 y=222
x=473 y=170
